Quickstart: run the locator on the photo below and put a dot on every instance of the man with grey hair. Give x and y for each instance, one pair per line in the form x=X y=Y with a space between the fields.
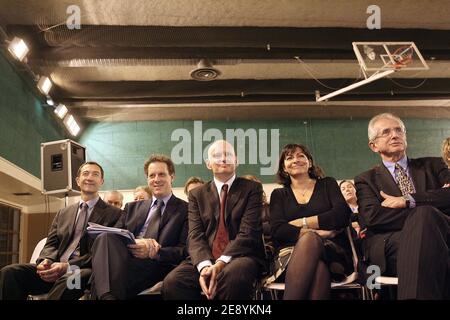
x=114 y=198
x=225 y=235
x=404 y=205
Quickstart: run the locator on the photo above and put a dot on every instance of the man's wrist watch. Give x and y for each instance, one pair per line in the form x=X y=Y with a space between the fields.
x=304 y=224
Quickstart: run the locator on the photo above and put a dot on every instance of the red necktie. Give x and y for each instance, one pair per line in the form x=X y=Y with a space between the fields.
x=221 y=239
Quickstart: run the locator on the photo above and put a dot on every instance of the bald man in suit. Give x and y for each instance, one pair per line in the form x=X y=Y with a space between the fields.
x=67 y=245
x=225 y=235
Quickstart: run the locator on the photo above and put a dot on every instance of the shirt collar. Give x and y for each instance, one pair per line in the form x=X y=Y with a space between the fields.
x=165 y=200
x=219 y=184
x=403 y=162
x=91 y=203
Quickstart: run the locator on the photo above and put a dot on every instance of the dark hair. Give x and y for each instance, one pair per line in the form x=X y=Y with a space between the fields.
x=254 y=178
x=159 y=158
x=92 y=163
x=314 y=172
x=190 y=181
x=344 y=181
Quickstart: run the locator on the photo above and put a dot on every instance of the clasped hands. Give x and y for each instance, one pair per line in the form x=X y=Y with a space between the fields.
x=208 y=278
x=51 y=271
x=144 y=248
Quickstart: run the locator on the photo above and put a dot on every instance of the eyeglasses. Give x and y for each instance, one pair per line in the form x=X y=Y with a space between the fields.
x=388 y=132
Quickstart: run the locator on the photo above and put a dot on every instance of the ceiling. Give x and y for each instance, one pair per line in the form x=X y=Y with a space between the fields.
x=131 y=60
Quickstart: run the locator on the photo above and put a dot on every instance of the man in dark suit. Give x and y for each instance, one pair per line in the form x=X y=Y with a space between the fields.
x=404 y=204
x=225 y=235
x=121 y=271
x=67 y=245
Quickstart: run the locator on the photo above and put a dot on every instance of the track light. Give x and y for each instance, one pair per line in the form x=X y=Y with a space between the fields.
x=18 y=48
x=71 y=125
x=44 y=85
x=61 y=111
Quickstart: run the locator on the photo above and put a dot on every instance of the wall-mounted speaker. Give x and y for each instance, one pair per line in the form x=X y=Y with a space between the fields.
x=60 y=161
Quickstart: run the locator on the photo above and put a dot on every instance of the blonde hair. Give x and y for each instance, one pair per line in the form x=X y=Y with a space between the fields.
x=145 y=189
x=446 y=151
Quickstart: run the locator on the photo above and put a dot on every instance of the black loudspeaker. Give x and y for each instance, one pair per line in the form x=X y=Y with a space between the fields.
x=60 y=161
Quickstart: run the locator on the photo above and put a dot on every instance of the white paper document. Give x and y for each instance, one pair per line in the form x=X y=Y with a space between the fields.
x=95 y=229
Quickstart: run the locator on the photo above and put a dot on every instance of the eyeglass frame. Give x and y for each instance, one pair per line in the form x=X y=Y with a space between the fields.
x=388 y=132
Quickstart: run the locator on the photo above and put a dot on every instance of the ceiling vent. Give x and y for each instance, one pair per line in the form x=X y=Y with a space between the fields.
x=204 y=71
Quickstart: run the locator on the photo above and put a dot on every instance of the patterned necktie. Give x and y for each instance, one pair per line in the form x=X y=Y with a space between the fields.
x=404 y=182
x=77 y=234
x=154 y=221
x=221 y=239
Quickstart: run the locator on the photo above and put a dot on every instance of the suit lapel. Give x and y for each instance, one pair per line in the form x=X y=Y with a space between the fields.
x=417 y=175
x=233 y=197
x=213 y=199
x=168 y=211
x=142 y=214
x=386 y=182
x=72 y=212
x=97 y=212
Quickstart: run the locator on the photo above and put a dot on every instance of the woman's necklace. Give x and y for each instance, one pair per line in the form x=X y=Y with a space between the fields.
x=303 y=193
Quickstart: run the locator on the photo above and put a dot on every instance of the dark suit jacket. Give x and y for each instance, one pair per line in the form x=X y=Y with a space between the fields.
x=173 y=227
x=428 y=175
x=63 y=227
x=242 y=219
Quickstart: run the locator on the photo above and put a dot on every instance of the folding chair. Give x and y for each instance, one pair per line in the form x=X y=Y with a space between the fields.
x=349 y=282
x=36 y=252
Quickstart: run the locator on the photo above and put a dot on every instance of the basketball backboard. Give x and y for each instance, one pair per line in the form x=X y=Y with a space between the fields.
x=381 y=56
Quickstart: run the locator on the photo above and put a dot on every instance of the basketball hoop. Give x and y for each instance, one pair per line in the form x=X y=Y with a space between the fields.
x=402 y=56
x=381 y=59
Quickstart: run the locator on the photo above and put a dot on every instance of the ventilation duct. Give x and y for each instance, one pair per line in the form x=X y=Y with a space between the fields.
x=204 y=71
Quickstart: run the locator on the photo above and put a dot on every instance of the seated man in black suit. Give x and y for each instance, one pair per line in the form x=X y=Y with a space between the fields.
x=404 y=205
x=121 y=271
x=67 y=244
x=225 y=235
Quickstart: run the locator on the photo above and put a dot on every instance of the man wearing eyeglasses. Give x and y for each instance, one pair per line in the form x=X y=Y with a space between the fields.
x=405 y=205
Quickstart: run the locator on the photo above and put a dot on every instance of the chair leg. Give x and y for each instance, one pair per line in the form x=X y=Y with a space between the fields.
x=274 y=294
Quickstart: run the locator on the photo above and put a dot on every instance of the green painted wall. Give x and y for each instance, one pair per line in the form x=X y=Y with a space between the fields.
x=339 y=146
x=24 y=122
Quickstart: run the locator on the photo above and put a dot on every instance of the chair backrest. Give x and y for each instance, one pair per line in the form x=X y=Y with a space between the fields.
x=37 y=250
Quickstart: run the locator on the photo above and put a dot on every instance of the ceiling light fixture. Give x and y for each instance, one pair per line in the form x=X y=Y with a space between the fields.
x=44 y=85
x=61 y=111
x=18 y=48
x=50 y=101
x=205 y=71
x=71 y=125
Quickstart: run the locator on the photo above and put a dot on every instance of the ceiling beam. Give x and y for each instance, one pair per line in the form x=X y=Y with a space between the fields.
x=100 y=41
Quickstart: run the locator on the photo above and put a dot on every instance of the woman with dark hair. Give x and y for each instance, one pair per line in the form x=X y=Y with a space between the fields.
x=307 y=216
x=348 y=190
